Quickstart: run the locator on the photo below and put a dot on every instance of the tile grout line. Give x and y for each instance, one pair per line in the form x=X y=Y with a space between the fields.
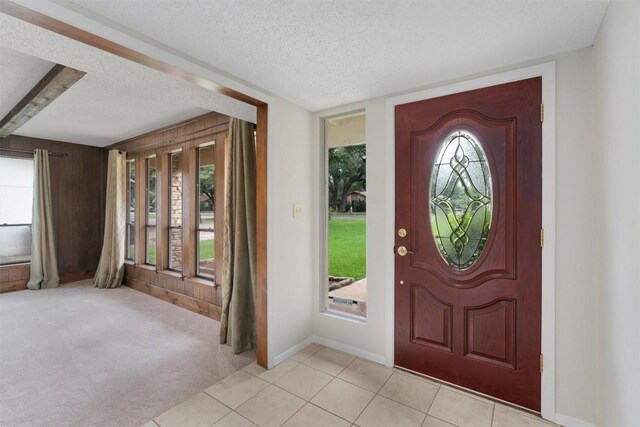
x=336 y=415
x=493 y=415
x=294 y=414
x=434 y=398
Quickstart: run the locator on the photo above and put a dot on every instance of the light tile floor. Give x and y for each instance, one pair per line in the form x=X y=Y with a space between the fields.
x=323 y=387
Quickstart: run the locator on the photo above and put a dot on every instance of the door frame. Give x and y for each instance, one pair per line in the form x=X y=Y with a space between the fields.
x=548 y=73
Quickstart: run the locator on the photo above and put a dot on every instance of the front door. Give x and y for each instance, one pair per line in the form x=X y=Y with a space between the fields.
x=468 y=239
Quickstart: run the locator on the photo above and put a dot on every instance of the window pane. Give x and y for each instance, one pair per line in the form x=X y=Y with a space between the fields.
x=16 y=244
x=16 y=198
x=151 y=191
x=461 y=200
x=16 y=190
x=131 y=209
x=131 y=247
x=150 y=238
x=206 y=254
x=346 y=179
x=206 y=207
x=175 y=249
x=151 y=245
x=206 y=186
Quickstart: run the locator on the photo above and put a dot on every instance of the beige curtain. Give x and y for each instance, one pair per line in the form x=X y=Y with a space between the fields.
x=238 y=320
x=44 y=265
x=111 y=266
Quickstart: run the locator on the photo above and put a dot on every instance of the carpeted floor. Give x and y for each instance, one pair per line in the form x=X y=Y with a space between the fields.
x=80 y=356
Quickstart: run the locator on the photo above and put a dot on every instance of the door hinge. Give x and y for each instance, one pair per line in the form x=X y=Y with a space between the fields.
x=542 y=237
x=541 y=363
x=541 y=113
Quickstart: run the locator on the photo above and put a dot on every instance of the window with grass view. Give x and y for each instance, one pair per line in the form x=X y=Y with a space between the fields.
x=205 y=228
x=174 y=208
x=16 y=198
x=150 y=207
x=131 y=210
x=346 y=178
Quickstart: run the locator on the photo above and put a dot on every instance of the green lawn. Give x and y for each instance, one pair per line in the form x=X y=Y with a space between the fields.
x=347 y=248
x=207 y=251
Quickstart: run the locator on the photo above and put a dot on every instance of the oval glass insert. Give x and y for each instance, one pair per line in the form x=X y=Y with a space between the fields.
x=461 y=199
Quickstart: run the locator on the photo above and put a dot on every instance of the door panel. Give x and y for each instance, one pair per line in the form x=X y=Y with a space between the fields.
x=431 y=319
x=468 y=193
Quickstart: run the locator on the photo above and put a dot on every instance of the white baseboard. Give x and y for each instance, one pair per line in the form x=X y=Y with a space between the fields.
x=350 y=349
x=331 y=344
x=568 y=421
x=293 y=350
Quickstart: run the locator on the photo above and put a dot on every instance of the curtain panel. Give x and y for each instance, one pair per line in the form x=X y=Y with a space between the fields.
x=238 y=319
x=44 y=264
x=111 y=266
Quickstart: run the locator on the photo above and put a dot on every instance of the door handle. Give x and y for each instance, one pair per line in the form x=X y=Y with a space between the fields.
x=402 y=251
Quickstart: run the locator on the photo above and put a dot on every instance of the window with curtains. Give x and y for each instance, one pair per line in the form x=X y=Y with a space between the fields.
x=174 y=211
x=131 y=210
x=150 y=211
x=16 y=198
x=205 y=221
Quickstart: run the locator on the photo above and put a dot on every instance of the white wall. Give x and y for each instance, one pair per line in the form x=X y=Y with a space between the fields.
x=290 y=240
x=616 y=57
x=576 y=256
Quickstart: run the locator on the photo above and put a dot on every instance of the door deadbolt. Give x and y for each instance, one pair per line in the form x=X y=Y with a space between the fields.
x=402 y=232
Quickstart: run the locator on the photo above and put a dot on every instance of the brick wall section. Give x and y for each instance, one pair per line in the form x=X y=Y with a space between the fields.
x=175 y=234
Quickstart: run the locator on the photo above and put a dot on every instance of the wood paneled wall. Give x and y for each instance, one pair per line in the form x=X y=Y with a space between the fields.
x=77 y=190
x=183 y=289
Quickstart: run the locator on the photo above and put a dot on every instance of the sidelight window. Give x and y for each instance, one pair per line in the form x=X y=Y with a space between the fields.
x=345 y=177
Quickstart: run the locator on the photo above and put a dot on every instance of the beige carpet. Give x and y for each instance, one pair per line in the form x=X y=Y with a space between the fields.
x=80 y=356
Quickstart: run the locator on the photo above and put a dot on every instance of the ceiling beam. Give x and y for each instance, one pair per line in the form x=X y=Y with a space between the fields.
x=43 y=21
x=52 y=85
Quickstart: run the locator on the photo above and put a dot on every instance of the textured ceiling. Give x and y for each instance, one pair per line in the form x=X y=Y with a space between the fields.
x=18 y=74
x=116 y=99
x=320 y=54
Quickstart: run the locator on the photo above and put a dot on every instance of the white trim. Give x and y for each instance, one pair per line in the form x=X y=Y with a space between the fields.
x=568 y=421
x=331 y=344
x=293 y=350
x=349 y=349
x=548 y=73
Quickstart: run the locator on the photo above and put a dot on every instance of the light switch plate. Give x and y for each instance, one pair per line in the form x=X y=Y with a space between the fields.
x=297 y=210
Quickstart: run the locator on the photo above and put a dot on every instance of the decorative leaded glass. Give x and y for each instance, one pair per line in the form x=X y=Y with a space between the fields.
x=461 y=200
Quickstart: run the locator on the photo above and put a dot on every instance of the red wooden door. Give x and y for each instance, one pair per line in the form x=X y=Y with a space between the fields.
x=468 y=253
